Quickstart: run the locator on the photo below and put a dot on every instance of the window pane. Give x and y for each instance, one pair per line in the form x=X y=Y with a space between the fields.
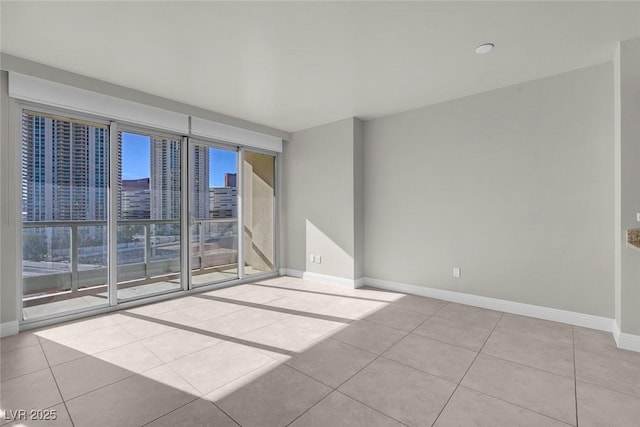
x=214 y=207
x=65 y=175
x=258 y=209
x=148 y=215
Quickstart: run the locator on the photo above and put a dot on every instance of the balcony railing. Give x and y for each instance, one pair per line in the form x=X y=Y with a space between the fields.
x=69 y=258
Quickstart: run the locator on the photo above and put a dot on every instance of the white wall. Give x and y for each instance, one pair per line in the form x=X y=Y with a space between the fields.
x=318 y=190
x=628 y=288
x=515 y=186
x=8 y=216
x=358 y=188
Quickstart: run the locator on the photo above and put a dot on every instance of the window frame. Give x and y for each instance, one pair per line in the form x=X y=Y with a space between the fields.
x=16 y=108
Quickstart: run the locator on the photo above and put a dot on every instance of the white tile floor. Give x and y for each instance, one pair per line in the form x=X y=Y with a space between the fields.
x=291 y=352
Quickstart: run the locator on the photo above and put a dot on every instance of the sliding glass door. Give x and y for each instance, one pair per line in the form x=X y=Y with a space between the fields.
x=149 y=206
x=213 y=211
x=116 y=213
x=65 y=177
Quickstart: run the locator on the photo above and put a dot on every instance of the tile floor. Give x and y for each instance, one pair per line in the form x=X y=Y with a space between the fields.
x=290 y=352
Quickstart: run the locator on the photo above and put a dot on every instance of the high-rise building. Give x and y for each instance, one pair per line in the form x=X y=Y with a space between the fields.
x=230 y=180
x=165 y=178
x=136 y=199
x=223 y=202
x=136 y=204
x=65 y=174
x=65 y=169
x=199 y=177
x=135 y=184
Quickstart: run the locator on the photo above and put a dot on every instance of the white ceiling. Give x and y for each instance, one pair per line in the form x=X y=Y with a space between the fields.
x=296 y=65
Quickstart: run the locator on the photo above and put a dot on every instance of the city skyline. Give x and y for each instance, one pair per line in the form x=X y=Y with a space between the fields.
x=65 y=172
x=136 y=160
x=64 y=169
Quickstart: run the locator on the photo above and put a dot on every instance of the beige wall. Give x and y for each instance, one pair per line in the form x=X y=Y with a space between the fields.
x=628 y=287
x=257 y=205
x=318 y=200
x=514 y=186
x=358 y=201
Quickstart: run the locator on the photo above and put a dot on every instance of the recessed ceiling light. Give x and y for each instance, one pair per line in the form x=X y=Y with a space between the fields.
x=484 y=48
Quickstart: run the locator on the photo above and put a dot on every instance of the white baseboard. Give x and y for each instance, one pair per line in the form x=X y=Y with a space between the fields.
x=358 y=283
x=9 y=328
x=332 y=280
x=324 y=278
x=625 y=341
x=291 y=272
x=546 y=313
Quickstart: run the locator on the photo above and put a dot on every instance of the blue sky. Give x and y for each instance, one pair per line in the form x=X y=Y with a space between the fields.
x=135 y=160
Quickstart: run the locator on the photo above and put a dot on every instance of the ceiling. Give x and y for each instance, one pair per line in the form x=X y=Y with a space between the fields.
x=294 y=65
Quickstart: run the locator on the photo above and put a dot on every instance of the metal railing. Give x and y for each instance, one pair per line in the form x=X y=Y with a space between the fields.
x=67 y=262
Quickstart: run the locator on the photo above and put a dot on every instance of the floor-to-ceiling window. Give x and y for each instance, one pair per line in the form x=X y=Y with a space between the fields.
x=104 y=213
x=213 y=178
x=149 y=204
x=65 y=176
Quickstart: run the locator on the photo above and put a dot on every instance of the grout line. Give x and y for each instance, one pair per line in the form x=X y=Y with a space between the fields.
x=442 y=307
x=348 y=397
x=224 y=412
x=467 y=371
x=498 y=398
x=205 y=332
x=331 y=390
x=350 y=377
x=55 y=380
x=418 y=369
x=635 y=396
x=445 y=342
x=370 y=407
x=516 y=405
x=178 y=375
x=101 y=387
x=235 y=379
x=264 y=306
x=74 y=334
x=173 y=410
x=527 y=366
x=375 y=324
x=150 y=350
x=320 y=293
x=377 y=356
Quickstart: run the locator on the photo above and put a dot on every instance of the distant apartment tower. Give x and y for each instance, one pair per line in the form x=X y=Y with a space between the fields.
x=136 y=199
x=135 y=184
x=65 y=174
x=223 y=202
x=199 y=177
x=230 y=180
x=165 y=178
x=65 y=169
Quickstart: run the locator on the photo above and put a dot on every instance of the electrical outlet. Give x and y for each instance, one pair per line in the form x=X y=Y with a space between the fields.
x=638 y=217
x=318 y=259
x=456 y=272
x=312 y=258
